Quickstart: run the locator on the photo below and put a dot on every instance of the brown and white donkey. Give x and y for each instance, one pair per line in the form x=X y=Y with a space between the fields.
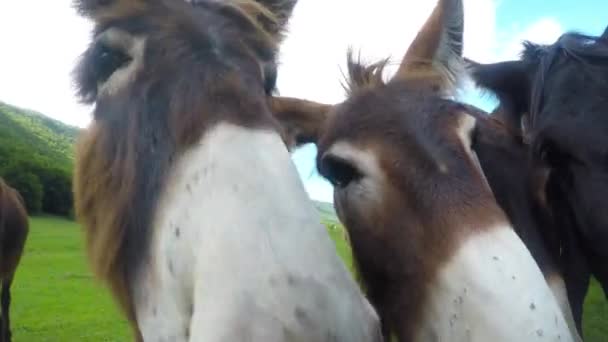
x=440 y=258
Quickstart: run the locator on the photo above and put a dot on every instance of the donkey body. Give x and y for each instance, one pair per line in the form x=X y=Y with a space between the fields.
x=193 y=211
x=556 y=96
x=14 y=228
x=440 y=258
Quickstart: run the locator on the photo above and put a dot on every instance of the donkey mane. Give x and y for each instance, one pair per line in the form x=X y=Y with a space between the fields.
x=123 y=160
x=361 y=75
x=591 y=52
x=574 y=44
x=371 y=75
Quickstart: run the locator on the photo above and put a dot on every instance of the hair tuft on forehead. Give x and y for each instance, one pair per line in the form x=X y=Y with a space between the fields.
x=361 y=75
x=532 y=51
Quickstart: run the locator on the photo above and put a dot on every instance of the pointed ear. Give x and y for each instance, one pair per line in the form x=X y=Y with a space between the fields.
x=437 y=49
x=605 y=34
x=510 y=82
x=301 y=120
x=280 y=11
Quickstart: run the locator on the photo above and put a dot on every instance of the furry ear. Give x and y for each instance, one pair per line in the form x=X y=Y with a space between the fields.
x=103 y=10
x=436 y=52
x=510 y=82
x=275 y=16
x=282 y=10
x=301 y=120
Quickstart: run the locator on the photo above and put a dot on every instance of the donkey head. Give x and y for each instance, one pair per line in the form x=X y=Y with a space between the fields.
x=398 y=152
x=161 y=74
x=560 y=91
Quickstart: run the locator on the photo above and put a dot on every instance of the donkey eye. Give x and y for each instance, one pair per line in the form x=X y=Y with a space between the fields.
x=107 y=60
x=338 y=171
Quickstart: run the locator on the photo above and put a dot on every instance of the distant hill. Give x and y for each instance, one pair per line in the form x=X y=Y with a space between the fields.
x=27 y=133
x=37 y=158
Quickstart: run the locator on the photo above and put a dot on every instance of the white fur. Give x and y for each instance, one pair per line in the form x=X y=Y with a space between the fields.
x=252 y=261
x=492 y=290
x=558 y=287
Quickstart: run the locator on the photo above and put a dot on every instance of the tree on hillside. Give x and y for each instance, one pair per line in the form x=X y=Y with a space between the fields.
x=44 y=188
x=36 y=155
x=57 y=198
x=28 y=185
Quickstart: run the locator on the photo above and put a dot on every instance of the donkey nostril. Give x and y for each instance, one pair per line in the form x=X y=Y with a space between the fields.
x=338 y=171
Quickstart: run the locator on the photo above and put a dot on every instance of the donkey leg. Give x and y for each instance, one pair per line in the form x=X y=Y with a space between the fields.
x=5 y=301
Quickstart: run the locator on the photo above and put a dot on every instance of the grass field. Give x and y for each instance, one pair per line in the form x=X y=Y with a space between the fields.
x=56 y=299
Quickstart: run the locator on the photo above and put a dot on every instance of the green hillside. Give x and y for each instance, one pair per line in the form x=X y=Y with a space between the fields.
x=28 y=133
x=37 y=157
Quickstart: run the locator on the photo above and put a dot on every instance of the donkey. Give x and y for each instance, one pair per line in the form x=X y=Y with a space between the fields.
x=193 y=211
x=557 y=96
x=438 y=255
x=14 y=228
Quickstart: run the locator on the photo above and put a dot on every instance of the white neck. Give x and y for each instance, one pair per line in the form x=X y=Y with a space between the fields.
x=492 y=290
x=251 y=260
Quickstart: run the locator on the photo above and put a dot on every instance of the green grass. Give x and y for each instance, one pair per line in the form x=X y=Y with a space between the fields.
x=595 y=318
x=54 y=295
x=56 y=299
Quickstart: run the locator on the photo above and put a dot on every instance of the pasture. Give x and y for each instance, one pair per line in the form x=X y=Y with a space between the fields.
x=56 y=299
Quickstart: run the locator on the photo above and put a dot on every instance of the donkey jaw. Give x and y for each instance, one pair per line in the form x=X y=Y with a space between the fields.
x=492 y=290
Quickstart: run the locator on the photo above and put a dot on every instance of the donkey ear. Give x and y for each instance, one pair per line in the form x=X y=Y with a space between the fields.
x=510 y=81
x=103 y=10
x=301 y=120
x=280 y=11
x=437 y=49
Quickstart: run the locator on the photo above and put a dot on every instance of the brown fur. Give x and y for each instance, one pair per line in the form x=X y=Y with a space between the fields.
x=395 y=266
x=14 y=228
x=188 y=85
x=432 y=195
x=301 y=120
x=399 y=240
x=401 y=243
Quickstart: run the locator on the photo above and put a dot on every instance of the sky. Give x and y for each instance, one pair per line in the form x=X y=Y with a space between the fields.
x=40 y=41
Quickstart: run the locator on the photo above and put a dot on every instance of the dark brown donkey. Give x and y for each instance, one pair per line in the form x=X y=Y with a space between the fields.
x=14 y=229
x=437 y=253
x=560 y=94
x=193 y=210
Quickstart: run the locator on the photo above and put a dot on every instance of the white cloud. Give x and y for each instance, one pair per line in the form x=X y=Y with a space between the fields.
x=506 y=44
x=40 y=42
x=543 y=31
x=314 y=52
